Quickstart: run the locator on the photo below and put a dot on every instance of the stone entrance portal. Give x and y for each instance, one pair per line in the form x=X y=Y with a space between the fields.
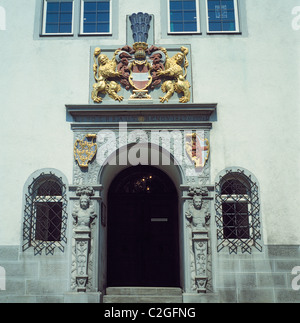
x=147 y=237
x=142 y=224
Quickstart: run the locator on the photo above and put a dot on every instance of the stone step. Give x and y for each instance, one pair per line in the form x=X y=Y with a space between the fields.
x=153 y=291
x=141 y=299
x=142 y=295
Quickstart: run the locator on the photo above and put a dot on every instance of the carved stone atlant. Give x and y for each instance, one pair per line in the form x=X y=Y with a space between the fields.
x=83 y=215
x=199 y=217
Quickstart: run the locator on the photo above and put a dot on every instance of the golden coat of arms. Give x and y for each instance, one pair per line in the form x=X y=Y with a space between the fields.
x=141 y=68
x=85 y=150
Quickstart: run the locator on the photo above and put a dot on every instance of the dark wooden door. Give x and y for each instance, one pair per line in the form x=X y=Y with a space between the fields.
x=143 y=229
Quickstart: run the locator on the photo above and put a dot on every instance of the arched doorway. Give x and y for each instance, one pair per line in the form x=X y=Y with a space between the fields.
x=142 y=236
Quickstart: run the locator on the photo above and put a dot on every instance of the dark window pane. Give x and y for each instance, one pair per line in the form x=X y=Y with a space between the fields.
x=48 y=221
x=103 y=16
x=190 y=15
x=52 y=18
x=51 y=28
x=235 y=220
x=66 y=17
x=176 y=27
x=234 y=187
x=103 y=28
x=65 y=28
x=103 y=6
x=49 y=187
x=230 y=15
x=90 y=17
x=66 y=7
x=90 y=6
x=212 y=15
x=176 y=16
x=213 y=4
x=228 y=3
x=228 y=26
x=176 y=5
x=190 y=26
x=52 y=6
x=189 y=5
x=89 y=28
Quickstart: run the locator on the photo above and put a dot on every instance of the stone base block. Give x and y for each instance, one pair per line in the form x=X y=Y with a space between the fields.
x=83 y=297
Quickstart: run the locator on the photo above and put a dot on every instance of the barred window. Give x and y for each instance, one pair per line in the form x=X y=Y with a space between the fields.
x=45 y=216
x=237 y=212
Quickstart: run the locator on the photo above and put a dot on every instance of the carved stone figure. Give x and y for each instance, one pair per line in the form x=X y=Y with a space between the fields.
x=197 y=216
x=84 y=214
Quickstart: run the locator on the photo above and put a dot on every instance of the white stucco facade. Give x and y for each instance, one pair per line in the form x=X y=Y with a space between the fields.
x=250 y=79
x=253 y=76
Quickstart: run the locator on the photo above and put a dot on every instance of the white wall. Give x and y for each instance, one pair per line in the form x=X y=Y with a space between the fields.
x=254 y=78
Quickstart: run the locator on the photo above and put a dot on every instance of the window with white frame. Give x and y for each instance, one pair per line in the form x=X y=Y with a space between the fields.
x=95 y=17
x=58 y=17
x=184 y=16
x=222 y=16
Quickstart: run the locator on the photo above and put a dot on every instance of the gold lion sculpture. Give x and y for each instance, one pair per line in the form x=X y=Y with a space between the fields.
x=176 y=79
x=104 y=73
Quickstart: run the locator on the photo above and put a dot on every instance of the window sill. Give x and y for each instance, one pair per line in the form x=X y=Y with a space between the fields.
x=94 y=34
x=57 y=35
x=224 y=33
x=183 y=33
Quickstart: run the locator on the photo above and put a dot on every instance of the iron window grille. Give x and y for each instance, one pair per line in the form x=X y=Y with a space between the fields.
x=237 y=212
x=45 y=215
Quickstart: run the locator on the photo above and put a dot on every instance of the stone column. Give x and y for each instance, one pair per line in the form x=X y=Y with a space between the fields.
x=83 y=215
x=199 y=218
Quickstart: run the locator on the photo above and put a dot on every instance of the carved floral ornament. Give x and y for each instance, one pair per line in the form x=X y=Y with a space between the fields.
x=141 y=68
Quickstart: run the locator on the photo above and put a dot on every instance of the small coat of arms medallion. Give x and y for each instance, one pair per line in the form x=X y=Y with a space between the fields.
x=85 y=150
x=197 y=149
